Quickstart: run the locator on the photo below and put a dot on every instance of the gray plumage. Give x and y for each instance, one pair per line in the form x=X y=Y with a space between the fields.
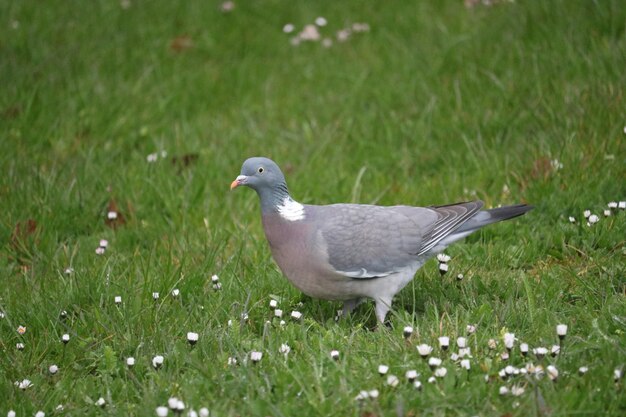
x=349 y=252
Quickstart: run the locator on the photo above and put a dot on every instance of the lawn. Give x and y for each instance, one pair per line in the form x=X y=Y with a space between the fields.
x=146 y=109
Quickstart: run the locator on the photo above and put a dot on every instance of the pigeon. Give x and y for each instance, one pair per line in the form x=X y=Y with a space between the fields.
x=355 y=252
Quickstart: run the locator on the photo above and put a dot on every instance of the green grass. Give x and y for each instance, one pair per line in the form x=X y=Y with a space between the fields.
x=437 y=103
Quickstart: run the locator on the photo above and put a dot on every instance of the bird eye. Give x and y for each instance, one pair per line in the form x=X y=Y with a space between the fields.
x=261 y=170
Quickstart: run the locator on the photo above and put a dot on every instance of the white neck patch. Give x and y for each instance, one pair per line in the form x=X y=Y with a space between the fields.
x=291 y=210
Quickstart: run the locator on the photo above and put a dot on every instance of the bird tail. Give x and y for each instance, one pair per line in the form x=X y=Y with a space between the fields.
x=485 y=217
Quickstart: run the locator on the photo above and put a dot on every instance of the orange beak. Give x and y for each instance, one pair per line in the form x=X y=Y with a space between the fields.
x=238 y=181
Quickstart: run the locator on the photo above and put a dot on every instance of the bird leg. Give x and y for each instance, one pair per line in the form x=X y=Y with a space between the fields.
x=350 y=305
x=383 y=305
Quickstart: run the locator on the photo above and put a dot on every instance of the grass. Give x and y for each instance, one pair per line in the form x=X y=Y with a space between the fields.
x=437 y=103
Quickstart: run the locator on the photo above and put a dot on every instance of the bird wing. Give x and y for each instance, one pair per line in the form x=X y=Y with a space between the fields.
x=364 y=241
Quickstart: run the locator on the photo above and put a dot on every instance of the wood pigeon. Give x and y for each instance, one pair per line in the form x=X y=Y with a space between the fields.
x=351 y=252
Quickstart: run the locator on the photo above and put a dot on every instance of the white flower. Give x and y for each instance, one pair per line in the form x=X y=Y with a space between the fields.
x=502 y=373
x=556 y=164
x=383 y=369
x=360 y=27
x=11 y=413
x=561 y=330
x=606 y=213
x=175 y=292
x=432 y=380
x=320 y=21
x=256 y=356
x=463 y=352
x=523 y=347
x=69 y=271
x=282 y=323
x=204 y=412
x=434 y=362
x=471 y=328
x=24 y=384
x=540 y=352
x=440 y=372
x=19 y=346
x=273 y=304
x=157 y=361
x=503 y=390
x=334 y=354
x=100 y=402
x=130 y=361
x=553 y=373
x=424 y=349
x=443 y=258
x=214 y=278
x=572 y=219
x=65 y=338
x=112 y=215
x=407 y=331
x=309 y=33
x=296 y=315
x=232 y=360
x=509 y=370
x=504 y=356
x=612 y=205
x=217 y=286
x=444 y=342
x=622 y=205
x=40 y=414
x=362 y=395
x=152 y=157
x=443 y=268
x=343 y=35
x=555 y=350
x=180 y=406
x=593 y=219
x=192 y=338
x=393 y=381
x=417 y=385
x=284 y=349
x=492 y=344
x=411 y=375
x=327 y=42
x=465 y=364
x=461 y=342
x=454 y=357
x=617 y=374
x=162 y=411
x=373 y=393
x=460 y=277
x=155 y=295
x=172 y=403
x=53 y=369
x=288 y=28
x=99 y=251
x=104 y=243
x=587 y=213
x=63 y=314
x=509 y=340
x=118 y=299
x=278 y=312
x=583 y=370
